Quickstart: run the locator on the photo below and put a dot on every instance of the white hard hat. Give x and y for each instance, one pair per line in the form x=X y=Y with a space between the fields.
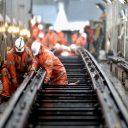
x=84 y=35
x=64 y=47
x=40 y=26
x=57 y=46
x=73 y=47
x=41 y=35
x=65 y=53
x=51 y=28
x=35 y=48
x=19 y=45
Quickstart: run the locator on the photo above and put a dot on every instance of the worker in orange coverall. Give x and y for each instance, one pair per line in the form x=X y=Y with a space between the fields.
x=61 y=38
x=18 y=62
x=81 y=41
x=74 y=37
x=41 y=38
x=55 y=70
x=51 y=38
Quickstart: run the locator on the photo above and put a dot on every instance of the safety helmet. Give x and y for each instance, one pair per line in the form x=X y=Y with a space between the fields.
x=35 y=48
x=41 y=35
x=51 y=28
x=40 y=26
x=64 y=47
x=84 y=35
x=73 y=47
x=19 y=45
x=57 y=46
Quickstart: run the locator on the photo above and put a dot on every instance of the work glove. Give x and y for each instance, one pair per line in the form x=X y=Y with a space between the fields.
x=32 y=69
x=15 y=82
x=25 y=75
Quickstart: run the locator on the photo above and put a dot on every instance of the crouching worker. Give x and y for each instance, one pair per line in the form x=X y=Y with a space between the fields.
x=55 y=70
x=18 y=62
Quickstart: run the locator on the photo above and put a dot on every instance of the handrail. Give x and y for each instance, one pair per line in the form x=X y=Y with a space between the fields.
x=119 y=61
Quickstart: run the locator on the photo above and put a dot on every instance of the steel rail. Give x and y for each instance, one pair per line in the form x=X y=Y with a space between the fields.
x=71 y=105
x=103 y=88
x=14 y=100
x=114 y=93
x=17 y=111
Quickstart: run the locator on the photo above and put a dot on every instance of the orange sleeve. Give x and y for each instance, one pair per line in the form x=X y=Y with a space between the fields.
x=5 y=77
x=29 y=58
x=78 y=41
x=48 y=65
x=34 y=63
x=5 y=82
x=11 y=65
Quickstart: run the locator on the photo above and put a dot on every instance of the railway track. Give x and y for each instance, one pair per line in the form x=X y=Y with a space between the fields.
x=71 y=105
x=90 y=103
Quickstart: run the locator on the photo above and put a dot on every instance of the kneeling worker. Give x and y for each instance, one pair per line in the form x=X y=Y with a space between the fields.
x=17 y=62
x=55 y=70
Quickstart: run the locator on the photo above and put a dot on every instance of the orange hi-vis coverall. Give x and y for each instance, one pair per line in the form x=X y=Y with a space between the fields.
x=42 y=41
x=17 y=65
x=5 y=81
x=74 y=37
x=55 y=71
x=61 y=38
x=50 y=39
x=81 y=42
x=35 y=31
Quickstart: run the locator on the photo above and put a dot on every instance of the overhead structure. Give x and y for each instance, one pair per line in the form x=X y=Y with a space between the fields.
x=77 y=25
x=61 y=22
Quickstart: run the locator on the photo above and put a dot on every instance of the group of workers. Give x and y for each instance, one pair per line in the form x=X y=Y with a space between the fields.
x=50 y=37
x=20 y=60
x=56 y=39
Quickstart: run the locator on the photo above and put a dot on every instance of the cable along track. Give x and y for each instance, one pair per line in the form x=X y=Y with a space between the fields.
x=90 y=103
